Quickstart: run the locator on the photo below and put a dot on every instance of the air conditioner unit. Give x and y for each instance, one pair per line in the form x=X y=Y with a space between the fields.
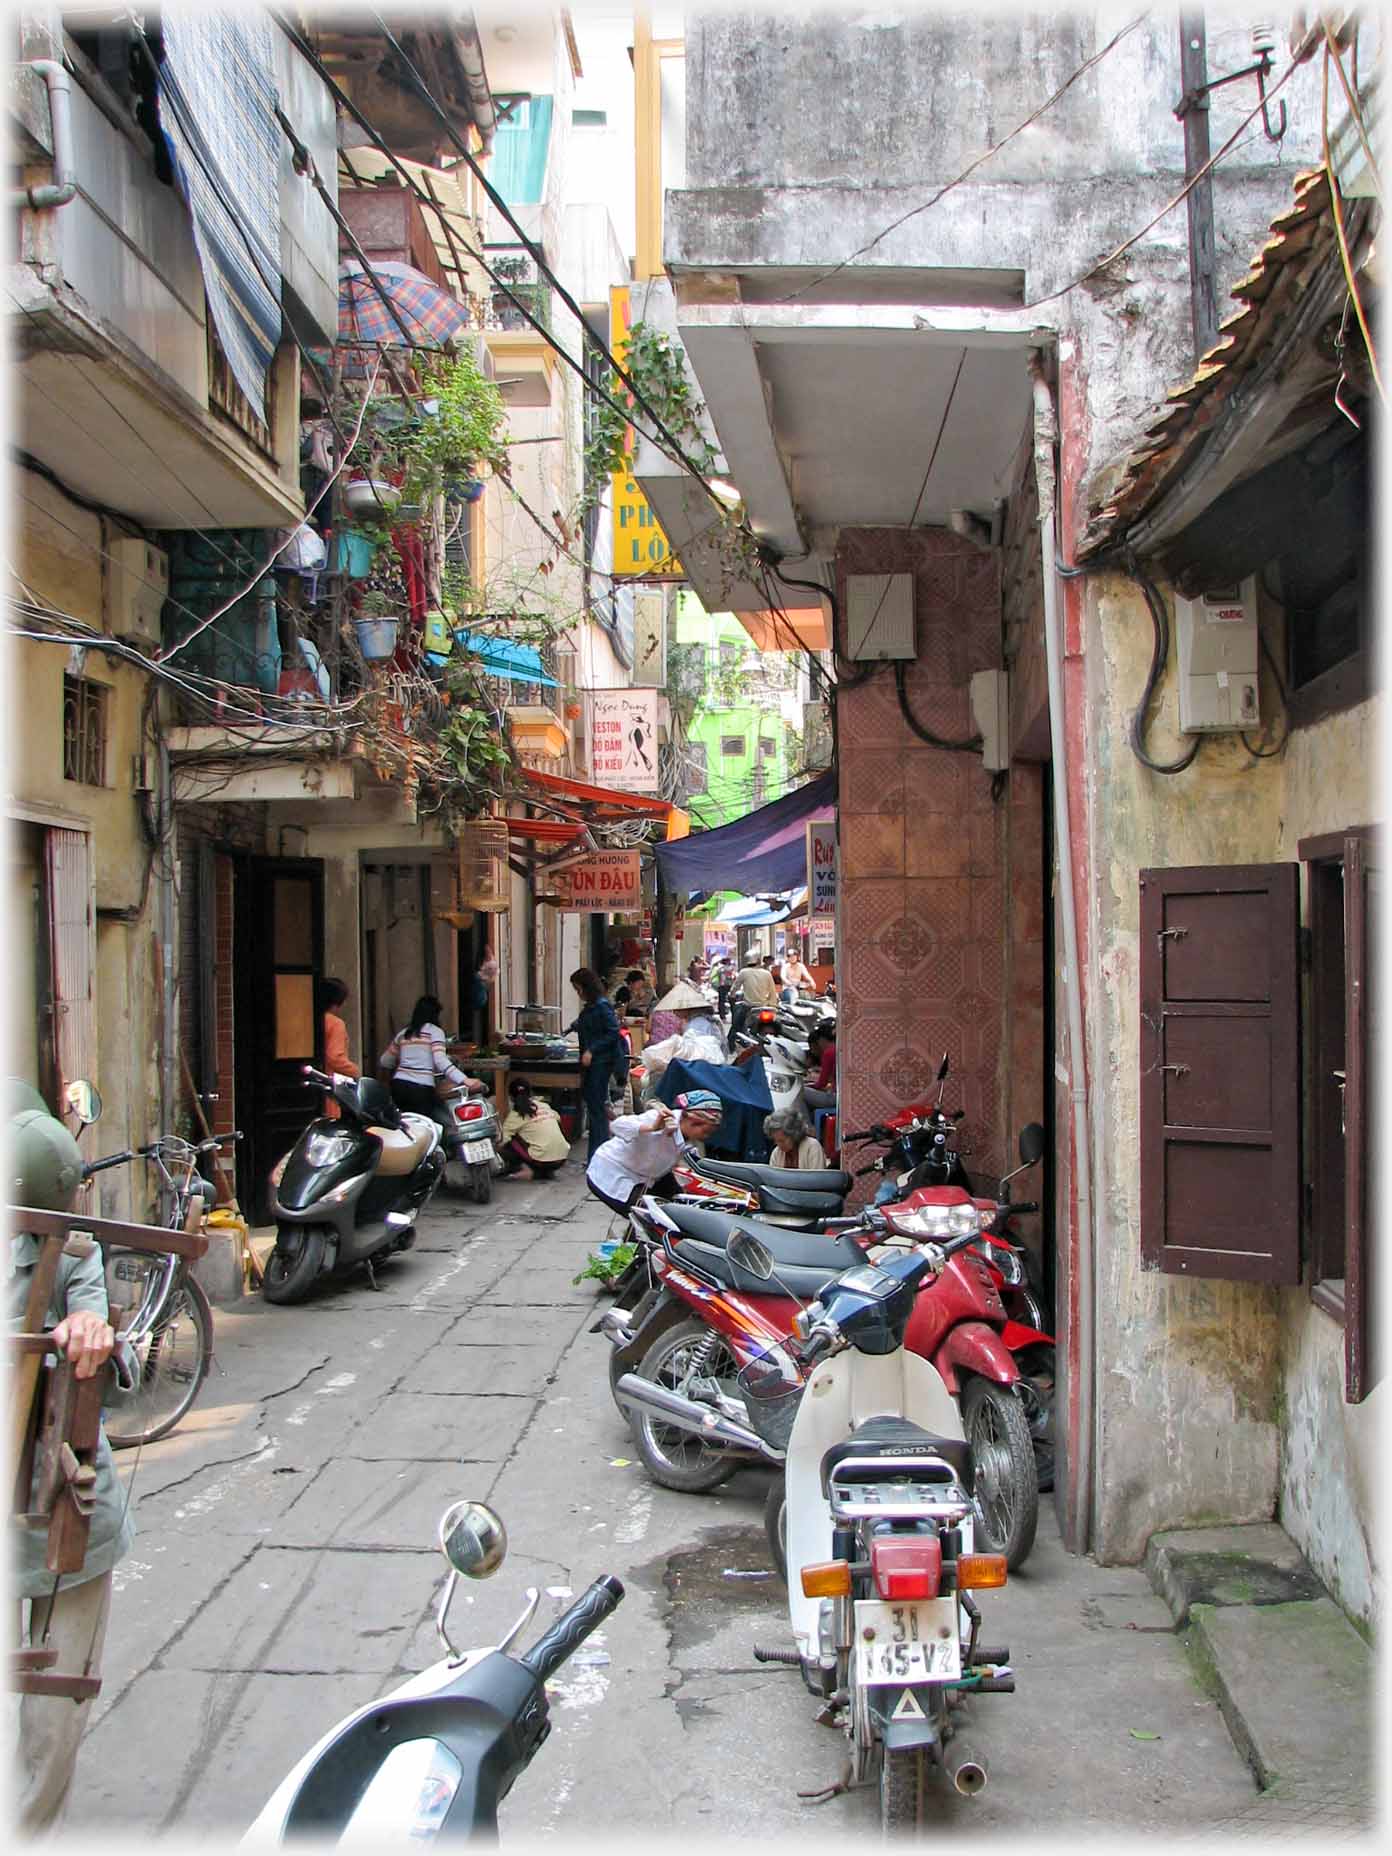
x=137 y=586
x=1218 y=644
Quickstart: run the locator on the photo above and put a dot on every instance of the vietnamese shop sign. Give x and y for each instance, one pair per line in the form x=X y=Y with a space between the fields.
x=821 y=867
x=609 y=881
x=623 y=739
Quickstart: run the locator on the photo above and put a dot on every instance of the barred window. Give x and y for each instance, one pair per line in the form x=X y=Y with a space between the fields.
x=84 y=731
x=732 y=744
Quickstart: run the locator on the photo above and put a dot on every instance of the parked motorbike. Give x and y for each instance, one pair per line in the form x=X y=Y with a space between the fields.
x=471 y=1140
x=880 y=1538
x=438 y=1755
x=349 y=1191
x=678 y=1353
x=780 y=1195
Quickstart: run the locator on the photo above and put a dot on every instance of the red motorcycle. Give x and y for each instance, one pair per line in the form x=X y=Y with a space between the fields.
x=702 y=1323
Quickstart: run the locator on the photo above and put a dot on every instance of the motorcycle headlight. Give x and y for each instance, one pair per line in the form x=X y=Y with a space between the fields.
x=327 y=1149
x=937 y=1221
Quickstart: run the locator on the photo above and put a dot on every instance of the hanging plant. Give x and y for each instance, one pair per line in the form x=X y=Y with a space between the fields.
x=456 y=431
x=657 y=367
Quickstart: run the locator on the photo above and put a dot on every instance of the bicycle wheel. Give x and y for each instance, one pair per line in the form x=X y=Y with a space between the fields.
x=174 y=1360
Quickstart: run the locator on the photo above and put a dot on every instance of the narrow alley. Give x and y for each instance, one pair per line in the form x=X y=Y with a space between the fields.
x=285 y=1572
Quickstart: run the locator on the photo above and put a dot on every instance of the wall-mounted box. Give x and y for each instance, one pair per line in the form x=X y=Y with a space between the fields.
x=1218 y=648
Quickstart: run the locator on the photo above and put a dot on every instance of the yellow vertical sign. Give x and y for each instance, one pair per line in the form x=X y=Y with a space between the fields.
x=640 y=547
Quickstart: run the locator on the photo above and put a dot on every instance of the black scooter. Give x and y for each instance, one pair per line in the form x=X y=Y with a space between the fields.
x=349 y=1191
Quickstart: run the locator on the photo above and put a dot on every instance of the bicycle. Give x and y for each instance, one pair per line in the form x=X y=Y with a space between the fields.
x=171 y=1329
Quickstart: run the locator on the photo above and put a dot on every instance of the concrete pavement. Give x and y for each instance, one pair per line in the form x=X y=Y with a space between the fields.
x=285 y=1572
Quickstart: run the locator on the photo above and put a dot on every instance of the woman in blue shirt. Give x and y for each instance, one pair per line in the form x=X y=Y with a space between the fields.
x=601 y=1048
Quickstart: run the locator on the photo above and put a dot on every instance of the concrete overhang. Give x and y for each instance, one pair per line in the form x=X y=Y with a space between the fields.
x=836 y=416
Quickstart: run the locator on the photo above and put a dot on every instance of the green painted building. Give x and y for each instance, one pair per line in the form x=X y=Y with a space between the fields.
x=738 y=710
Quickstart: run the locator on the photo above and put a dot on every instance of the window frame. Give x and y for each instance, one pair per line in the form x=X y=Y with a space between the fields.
x=1346 y=1300
x=90 y=696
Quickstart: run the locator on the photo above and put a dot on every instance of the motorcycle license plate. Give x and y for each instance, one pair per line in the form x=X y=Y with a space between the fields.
x=477 y=1151
x=914 y=1643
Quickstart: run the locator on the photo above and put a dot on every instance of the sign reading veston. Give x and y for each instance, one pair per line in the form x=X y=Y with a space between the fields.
x=609 y=881
x=821 y=868
x=623 y=739
x=640 y=547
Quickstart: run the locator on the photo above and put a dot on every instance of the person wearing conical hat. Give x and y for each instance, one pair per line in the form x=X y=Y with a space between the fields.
x=679 y=1010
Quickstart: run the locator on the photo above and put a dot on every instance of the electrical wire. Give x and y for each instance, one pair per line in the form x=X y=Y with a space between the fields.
x=1178 y=199
x=1277 y=748
x=1331 y=49
x=972 y=745
x=1159 y=619
x=310 y=508
x=971 y=168
x=1349 y=277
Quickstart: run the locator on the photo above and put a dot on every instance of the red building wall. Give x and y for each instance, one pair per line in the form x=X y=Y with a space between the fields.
x=940 y=942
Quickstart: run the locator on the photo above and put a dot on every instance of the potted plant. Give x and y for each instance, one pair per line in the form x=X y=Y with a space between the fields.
x=375 y=624
x=455 y=432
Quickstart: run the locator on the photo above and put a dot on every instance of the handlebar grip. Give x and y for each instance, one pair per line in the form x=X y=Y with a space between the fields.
x=570 y=1630
x=100 y=1166
x=1022 y=1205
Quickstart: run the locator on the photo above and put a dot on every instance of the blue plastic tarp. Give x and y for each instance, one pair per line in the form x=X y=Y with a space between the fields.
x=744 y=1093
x=499 y=657
x=761 y=854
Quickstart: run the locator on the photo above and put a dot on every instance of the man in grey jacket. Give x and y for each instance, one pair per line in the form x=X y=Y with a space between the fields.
x=67 y=1612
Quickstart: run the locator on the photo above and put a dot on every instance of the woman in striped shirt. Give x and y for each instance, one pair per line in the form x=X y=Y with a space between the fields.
x=417 y=1059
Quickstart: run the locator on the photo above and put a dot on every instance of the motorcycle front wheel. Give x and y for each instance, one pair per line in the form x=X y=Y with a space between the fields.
x=674 y=1458
x=776 y=1523
x=1007 y=1486
x=293 y=1266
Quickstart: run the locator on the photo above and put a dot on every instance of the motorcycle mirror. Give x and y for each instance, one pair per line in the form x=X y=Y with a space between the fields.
x=82 y=1101
x=1031 y=1143
x=747 y=1253
x=473 y=1539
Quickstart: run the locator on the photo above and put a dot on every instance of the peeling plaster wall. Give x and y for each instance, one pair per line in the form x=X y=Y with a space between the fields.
x=1217 y=1401
x=1331 y=1449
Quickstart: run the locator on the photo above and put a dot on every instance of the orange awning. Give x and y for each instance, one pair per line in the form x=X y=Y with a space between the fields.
x=599 y=801
x=546 y=830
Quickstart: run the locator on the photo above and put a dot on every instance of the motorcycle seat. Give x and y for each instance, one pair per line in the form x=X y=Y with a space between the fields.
x=712 y=1261
x=889 y=1437
x=829 y=1252
x=781 y=1178
x=800 y=1204
x=405 y=1147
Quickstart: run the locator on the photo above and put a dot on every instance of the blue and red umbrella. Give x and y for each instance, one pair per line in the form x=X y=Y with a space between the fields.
x=429 y=315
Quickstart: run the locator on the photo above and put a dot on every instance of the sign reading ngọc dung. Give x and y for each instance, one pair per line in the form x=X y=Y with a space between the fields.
x=640 y=547
x=821 y=867
x=623 y=739
x=608 y=882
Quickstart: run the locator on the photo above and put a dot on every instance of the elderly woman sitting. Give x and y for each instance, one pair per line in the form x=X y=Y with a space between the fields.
x=794 y=1144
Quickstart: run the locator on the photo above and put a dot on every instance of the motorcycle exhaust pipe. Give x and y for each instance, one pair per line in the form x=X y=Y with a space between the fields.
x=614 y=1327
x=637 y=1394
x=969 y=1770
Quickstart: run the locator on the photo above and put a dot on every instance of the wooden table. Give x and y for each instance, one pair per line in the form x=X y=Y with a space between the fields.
x=496 y=1067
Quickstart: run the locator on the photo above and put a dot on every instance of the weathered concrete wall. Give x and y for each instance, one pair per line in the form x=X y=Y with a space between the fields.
x=59 y=557
x=1331 y=1451
x=807 y=138
x=1215 y=1399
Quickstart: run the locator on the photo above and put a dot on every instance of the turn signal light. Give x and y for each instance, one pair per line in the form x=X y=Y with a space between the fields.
x=827 y=1579
x=979 y=1570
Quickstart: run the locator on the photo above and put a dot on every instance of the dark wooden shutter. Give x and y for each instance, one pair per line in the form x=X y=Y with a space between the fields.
x=72 y=958
x=1362 y=897
x=1220 y=1072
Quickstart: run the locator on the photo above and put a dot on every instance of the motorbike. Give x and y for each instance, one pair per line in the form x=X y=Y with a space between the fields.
x=779 y=1195
x=675 y=1357
x=437 y=1756
x=882 y=1556
x=471 y=1138
x=349 y=1191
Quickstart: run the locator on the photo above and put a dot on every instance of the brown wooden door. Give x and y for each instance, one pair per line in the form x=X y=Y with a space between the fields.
x=1220 y=1072
x=1362 y=912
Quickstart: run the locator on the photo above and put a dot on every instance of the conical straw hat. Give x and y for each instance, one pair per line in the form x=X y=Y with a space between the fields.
x=683 y=998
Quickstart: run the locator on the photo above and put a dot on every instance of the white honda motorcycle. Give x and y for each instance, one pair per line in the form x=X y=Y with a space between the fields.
x=878 y=1549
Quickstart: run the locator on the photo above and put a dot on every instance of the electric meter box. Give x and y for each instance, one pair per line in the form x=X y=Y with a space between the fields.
x=1218 y=647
